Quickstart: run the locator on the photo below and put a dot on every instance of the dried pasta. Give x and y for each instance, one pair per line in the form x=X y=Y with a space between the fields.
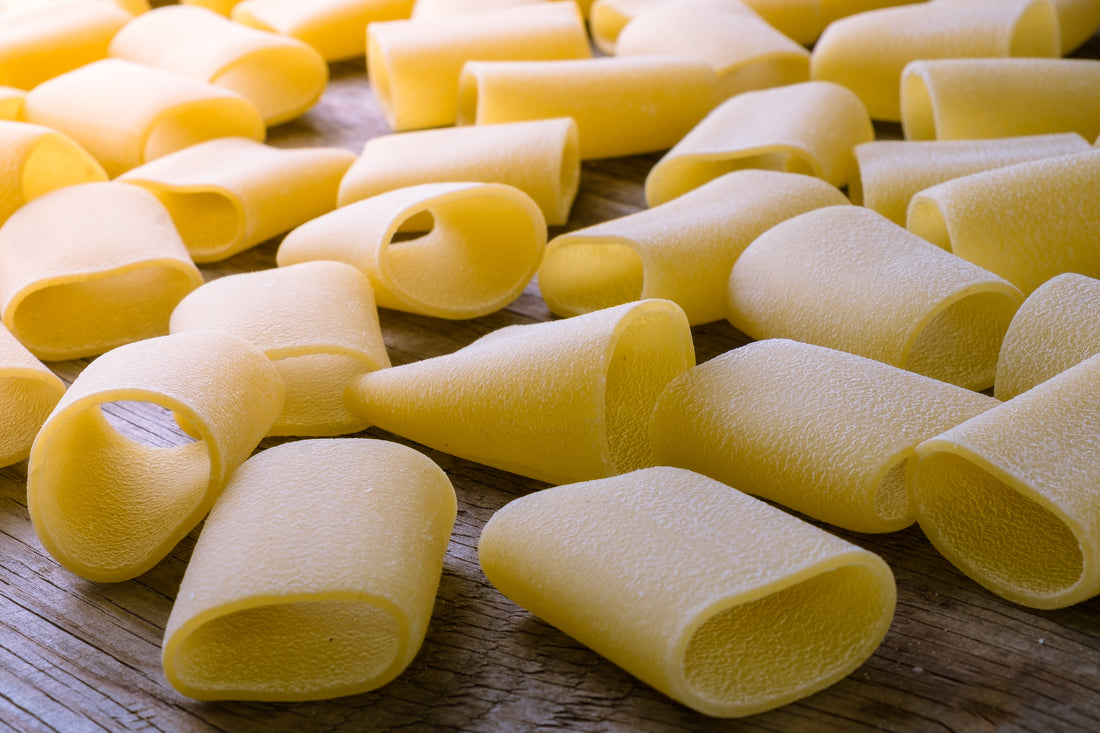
x=446 y=8
x=28 y=393
x=1078 y=19
x=221 y=7
x=720 y=601
x=11 y=103
x=315 y=574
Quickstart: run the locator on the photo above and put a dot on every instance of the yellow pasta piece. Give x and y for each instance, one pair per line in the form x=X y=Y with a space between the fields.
x=955 y=99
x=28 y=393
x=485 y=244
x=414 y=65
x=133 y=7
x=230 y=194
x=539 y=157
x=107 y=506
x=35 y=160
x=681 y=251
x=891 y=172
x=716 y=599
x=1011 y=496
x=1026 y=222
x=824 y=432
x=11 y=103
x=447 y=8
x=850 y=279
x=221 y=7
x=1078 y=19
x=315 y=574
x=558 y=401
x=622 y=106
x=807 y=128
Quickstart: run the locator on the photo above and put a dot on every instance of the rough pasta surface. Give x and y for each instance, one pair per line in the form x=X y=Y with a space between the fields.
x=28 y=393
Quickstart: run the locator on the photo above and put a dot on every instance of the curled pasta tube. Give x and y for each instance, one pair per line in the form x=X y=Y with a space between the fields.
x=28 y=393
x=557 y=401
x=484 y=245
x=315 y=573
x=109 y=507
x=720 y=601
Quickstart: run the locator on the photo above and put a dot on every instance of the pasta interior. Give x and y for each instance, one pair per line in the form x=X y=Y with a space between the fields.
x=28 y=393
x=11 y=103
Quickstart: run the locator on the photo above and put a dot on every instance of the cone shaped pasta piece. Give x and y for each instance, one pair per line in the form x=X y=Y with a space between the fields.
x=1010 y=497
x=414 y=65
x=485 y=244
x=954 y=99
x=282 y=76
x=229 y=194
x=807 y=128
x=109 y=507
x=557 y=401
x=75 y=281
x=1079 y=19
x=316 y=321
x=315 y=573
x=28 y=393
x=891 y=172
x=724 y=603
x=11 y=103
x=681 y=251
x=1027 y=222
x=622 y=106
x=539 y=157
x=850 y=279
x=824 y=432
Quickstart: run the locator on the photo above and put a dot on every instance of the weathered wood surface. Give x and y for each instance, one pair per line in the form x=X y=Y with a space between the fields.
x=80 y=656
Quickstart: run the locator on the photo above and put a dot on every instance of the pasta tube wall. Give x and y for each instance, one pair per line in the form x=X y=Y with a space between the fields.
x=11 y=103
x=28 y=393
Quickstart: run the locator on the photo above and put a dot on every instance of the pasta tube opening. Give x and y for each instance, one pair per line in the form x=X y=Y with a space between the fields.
x=587 y=276
x=209 y=222
x=194 y=123
x=1036 y=33
x=26 y=400
x=691 y=172
x=290 y=82
x=918 y=110
x=54 y=162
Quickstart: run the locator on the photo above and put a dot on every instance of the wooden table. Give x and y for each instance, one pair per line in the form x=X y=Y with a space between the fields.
x=80 y=656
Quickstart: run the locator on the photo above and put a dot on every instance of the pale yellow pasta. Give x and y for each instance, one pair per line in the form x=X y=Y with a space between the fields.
x=1079 y=19
x=539 y=157
x=318 y=324
x=414 y=65
x=484 y=245
x=807 y=128
x=89 y=267
x=11 y=103
x=722 y=602
x=559 y=401
x=133 y=7
x=282 y=76
x=682 y=250
x=824 y=432
x=28 y=393
x=232 y=193
x=1026 y=222
x=955 y=99
x=891 y=172
x=622 y=106
x=446 y=8
x=850 y=279
x=1011 y=496
x=831 y=10
x=221 y=7
x=108 y=506
x=315 y=574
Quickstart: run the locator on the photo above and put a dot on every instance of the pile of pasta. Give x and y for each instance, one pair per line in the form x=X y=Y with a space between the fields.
x=888 y=287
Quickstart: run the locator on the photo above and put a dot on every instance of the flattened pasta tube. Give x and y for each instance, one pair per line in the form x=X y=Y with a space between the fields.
x=281 y=76
x=558 y=401
x=318 y=324
x=824 y=432
x=724 y=603
x=28 y=393
x=682 y=250
x=86 y=268
x=484 y=245
x=850 y=279
x=807 y=128
x=315 y=573
x=622 y=106
x=107 y=506
x=229 y=194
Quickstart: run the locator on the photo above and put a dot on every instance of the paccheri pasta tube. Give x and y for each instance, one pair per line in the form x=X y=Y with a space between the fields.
x=281 y=76
x=484 y=244
x=89 y=267
x=108 y=506
x=446 y=8
x=622 y=106
x=1026 y=222
x=850 y=279
x=229 y=194
x=682 y=250
x=28 y=393
x=126 y=114
x=316 y=321
x=824 y=432
x=11 y=103
x=557 y=401
x=807 y=128
x=1010 y=496
x=315 y=574
x=539 y=157
x=1079 y=19
x=722 y=602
